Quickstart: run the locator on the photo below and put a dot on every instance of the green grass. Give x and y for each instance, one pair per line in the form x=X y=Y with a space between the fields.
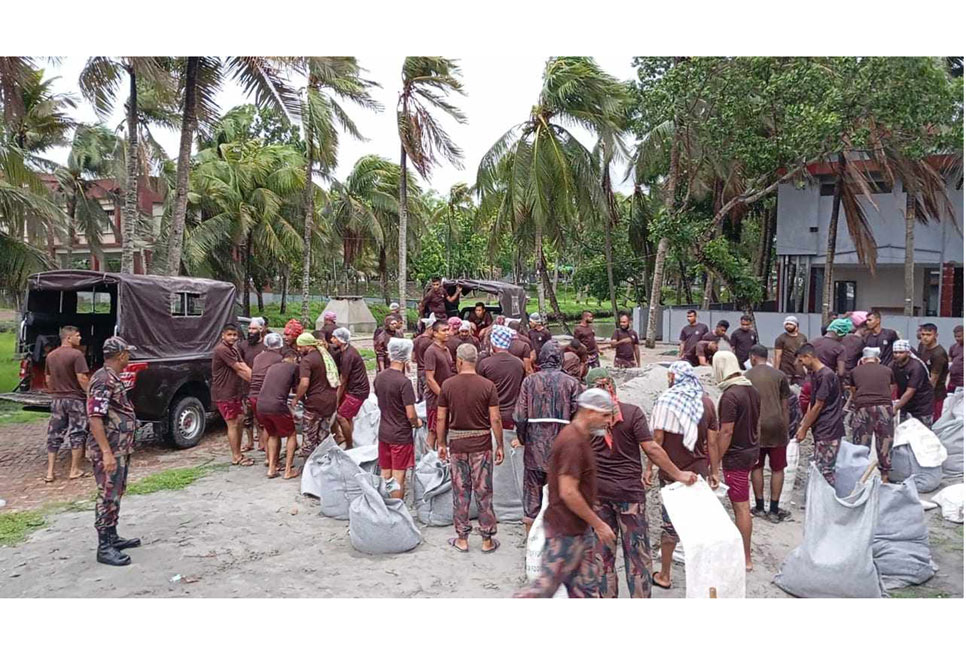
x=12 y=414
x=16 y=527
x=173 y=479
x=277 y=320
x=9 y=363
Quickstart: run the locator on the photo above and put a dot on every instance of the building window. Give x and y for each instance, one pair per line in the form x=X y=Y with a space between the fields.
x=187 y=304
x=876 y=186
x=844 y=296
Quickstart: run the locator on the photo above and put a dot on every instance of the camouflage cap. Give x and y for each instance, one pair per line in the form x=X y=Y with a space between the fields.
x=115 y=345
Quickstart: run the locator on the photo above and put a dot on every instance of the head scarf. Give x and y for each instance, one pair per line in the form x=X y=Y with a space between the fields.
x=501 y=337
x=725 y=365
x=591 y=380
x=680 y=408
x=466 y=325
x=273 y=341
x=901 y=345
x=791 y=319
x=841 y=327
x=535 y=318
x=400 y=350
x=329 y=315
x=343 y=334
x=551 y=357
x=331 y=371
x=858 y=318
x=871 y=353
x=393 y=306
x=596 y=399
x=454 y=324
x=259 y=322
x=294 y=328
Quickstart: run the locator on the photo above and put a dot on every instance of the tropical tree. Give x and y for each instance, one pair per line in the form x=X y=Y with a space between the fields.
x=100 y=83
x=426 y=84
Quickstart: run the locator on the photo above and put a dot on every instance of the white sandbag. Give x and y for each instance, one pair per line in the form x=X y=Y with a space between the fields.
x=379 y=524
x=536 y=541
x=949 y=431
x=711 y=541
x=420 y=447
x=851 y=462
x=917 y=452
x=950 y=499
x=508 y=482
x=334 y=479
x=792 y=451
x=900 y=547
x=366 y=457
x=835 y=557
x=433 y=492
x=365 y=426
x=312 y=471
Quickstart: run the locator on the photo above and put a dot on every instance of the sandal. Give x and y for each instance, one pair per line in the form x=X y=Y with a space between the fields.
x=247 y=447
x=496 y=545
x=656 y=584
x=452 y=543
x=49 y=480
x=274 y=475
x=83 y=474
x=244 y=461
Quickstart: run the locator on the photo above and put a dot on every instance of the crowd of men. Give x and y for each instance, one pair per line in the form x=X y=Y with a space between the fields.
x=486 y=376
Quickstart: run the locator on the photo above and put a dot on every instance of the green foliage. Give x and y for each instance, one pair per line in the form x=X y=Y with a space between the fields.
x=9 y=362
x=16 y=527
x=172 y=479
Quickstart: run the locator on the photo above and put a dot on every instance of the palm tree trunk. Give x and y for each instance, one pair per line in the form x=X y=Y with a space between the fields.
x=685 y=280
x=910 y=263
x=662 y=246
x=284 y=304
x=541 y=270
x=403 y=216
x=772 y=221
x=247 y=295
x=308 y=200
x=551 y=293
x=833 y=228
x=609 y=219
x=708 y=289
x=71 y=213
x=188 y=124
x=130 y=210
x=260 y=299
x=384 y=275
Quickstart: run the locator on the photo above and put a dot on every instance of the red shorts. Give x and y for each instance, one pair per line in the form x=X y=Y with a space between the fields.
x=350 y=406
x=278 y=425
x=937 y=407
x=229 y=410
x=396 y=456
x=737 y=483
x=253 y=404
x=777 y=459
x=431 y=419
x=508 y=424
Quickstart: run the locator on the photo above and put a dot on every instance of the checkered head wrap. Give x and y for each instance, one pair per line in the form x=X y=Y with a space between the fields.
x=901 y=345
x=679 y=409
x=501 y=337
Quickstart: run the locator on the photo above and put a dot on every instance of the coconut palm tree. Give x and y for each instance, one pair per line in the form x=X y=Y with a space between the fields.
x=426 y=84
x=329 y=81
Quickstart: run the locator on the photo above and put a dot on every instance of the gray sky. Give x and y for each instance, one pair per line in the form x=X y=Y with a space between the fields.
x=499 y=93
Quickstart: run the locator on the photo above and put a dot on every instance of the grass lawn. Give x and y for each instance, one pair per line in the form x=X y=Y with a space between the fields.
x=9 y=364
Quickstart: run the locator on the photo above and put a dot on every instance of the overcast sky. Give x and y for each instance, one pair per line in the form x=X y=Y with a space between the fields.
x=499 y=93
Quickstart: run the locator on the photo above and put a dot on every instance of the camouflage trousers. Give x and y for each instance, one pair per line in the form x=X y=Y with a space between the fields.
x=315 y=427
x=629 y=521
x=826 y=451
x=68 y=417
x=875 y=421
x=567 y=561
x=472 y=474
x=420 y=384
x=249 y=424
x=110 y=488
x=533 y=483
x=593 y=360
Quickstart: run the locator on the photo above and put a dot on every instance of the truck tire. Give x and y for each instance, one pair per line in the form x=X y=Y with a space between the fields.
x=186 y=423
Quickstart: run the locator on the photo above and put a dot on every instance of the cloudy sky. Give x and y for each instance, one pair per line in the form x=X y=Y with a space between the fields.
x=499 y=93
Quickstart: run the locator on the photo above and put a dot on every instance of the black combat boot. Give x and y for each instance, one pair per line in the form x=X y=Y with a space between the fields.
x=122 y=543
x=107 y=553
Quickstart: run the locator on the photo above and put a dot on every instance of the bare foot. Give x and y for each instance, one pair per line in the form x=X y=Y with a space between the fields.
x=49 y=479
x=748 y=567
x=248 y=447
x=77 y=475
x=292 y=474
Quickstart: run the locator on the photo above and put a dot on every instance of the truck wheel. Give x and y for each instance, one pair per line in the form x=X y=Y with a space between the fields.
x=186 y=424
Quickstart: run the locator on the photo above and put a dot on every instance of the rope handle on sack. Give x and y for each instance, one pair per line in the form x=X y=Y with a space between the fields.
x=873 y=464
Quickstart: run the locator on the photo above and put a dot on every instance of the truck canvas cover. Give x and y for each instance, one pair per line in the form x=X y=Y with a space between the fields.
x=513 y=299
x=144 y=309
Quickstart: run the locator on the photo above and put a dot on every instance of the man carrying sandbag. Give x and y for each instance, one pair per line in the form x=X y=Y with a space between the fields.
x=398 y=418
x=467 y=410
x=620 y=491
x=569 y=521
x=871 y=385
x=916 y=393
x=825 y=415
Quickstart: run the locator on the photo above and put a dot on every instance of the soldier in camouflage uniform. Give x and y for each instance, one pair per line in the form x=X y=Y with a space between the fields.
x=112 y=423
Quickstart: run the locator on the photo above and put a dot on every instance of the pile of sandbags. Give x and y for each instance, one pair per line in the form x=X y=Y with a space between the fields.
x=918 y=453
x=835 y=557
x=900 y=547
x=365 y=426
x=951 y=501
x=329 y=474
x=366 y=457
x=433 y=492
x=379 y=524
x=949 y=431
x=508 y=482
x=851 y=462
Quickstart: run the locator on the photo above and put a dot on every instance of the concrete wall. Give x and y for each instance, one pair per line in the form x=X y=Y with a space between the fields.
x=799 y=210
x=771 y=325
x=885 y=290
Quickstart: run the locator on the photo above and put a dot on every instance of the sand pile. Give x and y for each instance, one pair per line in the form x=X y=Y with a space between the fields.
x=643 y=386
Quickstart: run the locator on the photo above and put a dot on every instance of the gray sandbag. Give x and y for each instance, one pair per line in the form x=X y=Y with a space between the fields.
x=335 y=478
x=850 y=464
x=366 y=457
x=949 y=429
x=419 y=442
x=379 y=524
x=904 y=466
x=835 y=557
x=508 y=482
x=900 y=547
x=433 y=492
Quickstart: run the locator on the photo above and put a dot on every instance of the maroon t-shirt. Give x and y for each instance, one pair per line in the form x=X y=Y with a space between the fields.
x=829 y=351
x=520 y=348
x=913 y=374
x=279 y=381
x=571 y=455
x=853 y=345
x=250 y=351
x=625 y=351
x=455 y=341
x=826 y=387
x=320 y=397
x=883 y=342
x=586 y=336
x=353 y=366
x=873 y=385
x=701 y=348
x=741 y=405
x=956 y=365
x=690 y=335
x=936 y=362
x=226 y=385
x=468 y=399
x=394 y=391
x=741 y=343
x=263 y=361
x=507 y=373
x=420 y=344
x=694 y=460
x=62 y=366
x=538 y=339
x=438 y=360
x=619 y=469
x=789 y=345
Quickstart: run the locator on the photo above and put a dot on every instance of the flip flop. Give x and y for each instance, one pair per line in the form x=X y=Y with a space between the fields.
x=244 y=461
x=274 y=475
x=49 y=480
x=83 y=474
x=656 y=584
x=247 y=448
x=496 y=545
x=452 y=543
